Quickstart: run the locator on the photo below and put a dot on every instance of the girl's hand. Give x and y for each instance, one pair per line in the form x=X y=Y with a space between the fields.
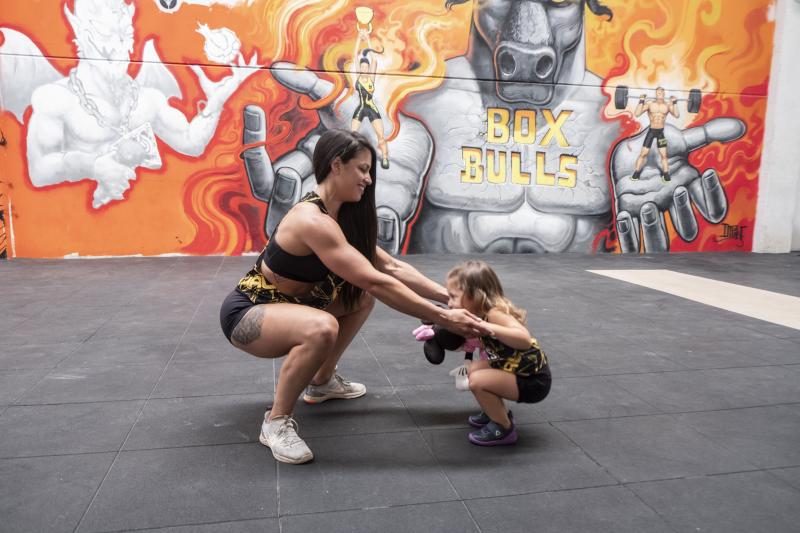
x=464 y=323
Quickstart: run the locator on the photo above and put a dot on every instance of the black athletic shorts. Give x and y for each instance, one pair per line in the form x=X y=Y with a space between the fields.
x=533 y=389
x=233 y=310
x=366 y=112
x=237 y=303
x=655 y=134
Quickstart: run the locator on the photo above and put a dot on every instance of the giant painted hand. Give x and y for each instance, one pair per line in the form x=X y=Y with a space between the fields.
x=283 y=182
x=641 y=203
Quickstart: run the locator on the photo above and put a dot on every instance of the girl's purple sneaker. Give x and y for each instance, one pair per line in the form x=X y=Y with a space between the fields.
x=481 y=419
x=493 y=434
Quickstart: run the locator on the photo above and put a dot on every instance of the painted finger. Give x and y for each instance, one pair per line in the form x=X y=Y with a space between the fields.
x=653 y=229
x=306 y=82
x=718 y=129
x=709 y=196
x=388 y=229
x=683 y=218
x=300 y=80
x=256 y=160
x=285 y=193
x=628 y=233
x=716 y=201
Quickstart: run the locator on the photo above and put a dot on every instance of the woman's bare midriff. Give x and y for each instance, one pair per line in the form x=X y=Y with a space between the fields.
x=287 y=286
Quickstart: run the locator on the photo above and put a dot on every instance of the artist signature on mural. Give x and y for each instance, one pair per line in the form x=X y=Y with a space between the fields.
x=732 y=231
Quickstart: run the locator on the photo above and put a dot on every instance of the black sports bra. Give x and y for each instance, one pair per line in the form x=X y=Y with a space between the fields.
x=306 y=268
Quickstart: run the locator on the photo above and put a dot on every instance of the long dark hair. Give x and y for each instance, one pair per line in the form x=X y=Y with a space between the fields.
x=358 y=220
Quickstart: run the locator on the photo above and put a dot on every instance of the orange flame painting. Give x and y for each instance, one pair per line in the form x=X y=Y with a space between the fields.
x=188 y=190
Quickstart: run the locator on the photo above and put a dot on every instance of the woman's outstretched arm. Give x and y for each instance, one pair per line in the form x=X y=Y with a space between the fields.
x=325 y=238
x=410 y=277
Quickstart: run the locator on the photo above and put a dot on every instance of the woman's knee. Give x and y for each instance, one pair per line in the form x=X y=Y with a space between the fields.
x=323 y=330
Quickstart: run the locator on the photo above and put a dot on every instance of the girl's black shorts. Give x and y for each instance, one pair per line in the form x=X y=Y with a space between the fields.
x=533 y=389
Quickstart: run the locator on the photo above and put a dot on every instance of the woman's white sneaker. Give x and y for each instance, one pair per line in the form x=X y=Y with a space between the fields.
x=280 y=435
x=337 y=387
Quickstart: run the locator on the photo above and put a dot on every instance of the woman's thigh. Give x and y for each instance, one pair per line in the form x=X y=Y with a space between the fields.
x=499 y=382
x=272 y=330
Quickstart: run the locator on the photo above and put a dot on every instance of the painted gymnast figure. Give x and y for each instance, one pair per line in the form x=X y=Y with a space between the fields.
x=313 y=287
x=364 y=85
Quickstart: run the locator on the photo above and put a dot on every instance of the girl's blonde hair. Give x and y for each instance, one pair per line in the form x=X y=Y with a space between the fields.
x=480 y=285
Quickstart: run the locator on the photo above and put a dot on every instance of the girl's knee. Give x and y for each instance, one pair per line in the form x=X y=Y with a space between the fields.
x=477 y=381
x=477 y=366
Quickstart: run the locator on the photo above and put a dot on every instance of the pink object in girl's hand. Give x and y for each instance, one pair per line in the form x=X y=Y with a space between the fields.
x=423 y=333
x=470 y=345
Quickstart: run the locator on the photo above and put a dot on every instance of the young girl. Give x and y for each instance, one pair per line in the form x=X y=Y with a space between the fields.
x=516 y=368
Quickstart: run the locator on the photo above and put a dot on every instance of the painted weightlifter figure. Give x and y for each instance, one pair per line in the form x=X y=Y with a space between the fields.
x=657 y=111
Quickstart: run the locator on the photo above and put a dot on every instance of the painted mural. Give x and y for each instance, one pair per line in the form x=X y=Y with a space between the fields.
x=503 y=126
x=3 y=234
x=4 y=239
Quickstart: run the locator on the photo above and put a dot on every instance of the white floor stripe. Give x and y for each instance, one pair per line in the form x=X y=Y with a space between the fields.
x=773 y=307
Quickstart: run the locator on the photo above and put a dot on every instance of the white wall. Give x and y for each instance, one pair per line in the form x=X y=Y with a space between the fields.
x=796 y=225
x=778 y=209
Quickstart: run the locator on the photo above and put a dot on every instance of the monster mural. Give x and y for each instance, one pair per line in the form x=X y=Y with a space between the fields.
x=504 y=125
x=98 y=122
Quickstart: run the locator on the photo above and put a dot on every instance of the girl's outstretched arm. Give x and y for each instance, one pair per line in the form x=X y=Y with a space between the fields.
x=508 y=330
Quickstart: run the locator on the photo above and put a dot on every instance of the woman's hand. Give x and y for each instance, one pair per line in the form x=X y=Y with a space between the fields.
x=464 y=323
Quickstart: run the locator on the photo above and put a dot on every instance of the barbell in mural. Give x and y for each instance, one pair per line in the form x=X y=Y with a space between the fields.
x=694 y=100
